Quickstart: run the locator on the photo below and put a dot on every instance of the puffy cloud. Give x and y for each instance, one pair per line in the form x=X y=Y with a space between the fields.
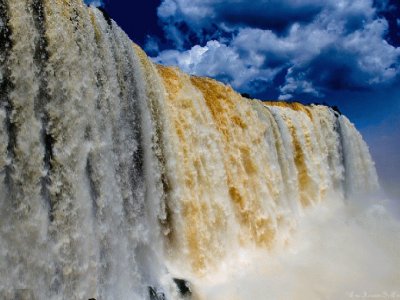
x=199 y=17
x=359 y=60
x=261 y=14
x=152 y=45
x=221 y=62
x=309 y=46
x=96 y=3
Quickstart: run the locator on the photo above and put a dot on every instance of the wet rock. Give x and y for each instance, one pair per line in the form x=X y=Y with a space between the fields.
x=155 y=294
x=105 y=15
x=183 y=287
x=246 y=95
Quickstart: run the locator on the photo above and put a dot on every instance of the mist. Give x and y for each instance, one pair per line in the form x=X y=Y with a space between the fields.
x=339 y=251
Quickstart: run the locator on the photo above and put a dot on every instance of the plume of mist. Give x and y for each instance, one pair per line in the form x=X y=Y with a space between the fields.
x=338 y=252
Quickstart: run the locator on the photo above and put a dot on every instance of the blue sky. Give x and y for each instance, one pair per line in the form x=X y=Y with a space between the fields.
x=342 y=52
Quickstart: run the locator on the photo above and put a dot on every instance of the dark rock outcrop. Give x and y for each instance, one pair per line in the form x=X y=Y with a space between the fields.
x=183 y=287
x=155 y=294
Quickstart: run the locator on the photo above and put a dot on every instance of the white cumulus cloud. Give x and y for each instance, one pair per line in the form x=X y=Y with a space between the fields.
x=314 y=46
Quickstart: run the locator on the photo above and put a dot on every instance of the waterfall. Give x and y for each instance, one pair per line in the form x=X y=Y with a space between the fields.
x=118 y=176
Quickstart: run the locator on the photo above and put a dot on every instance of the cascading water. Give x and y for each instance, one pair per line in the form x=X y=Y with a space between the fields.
x=117 y=175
